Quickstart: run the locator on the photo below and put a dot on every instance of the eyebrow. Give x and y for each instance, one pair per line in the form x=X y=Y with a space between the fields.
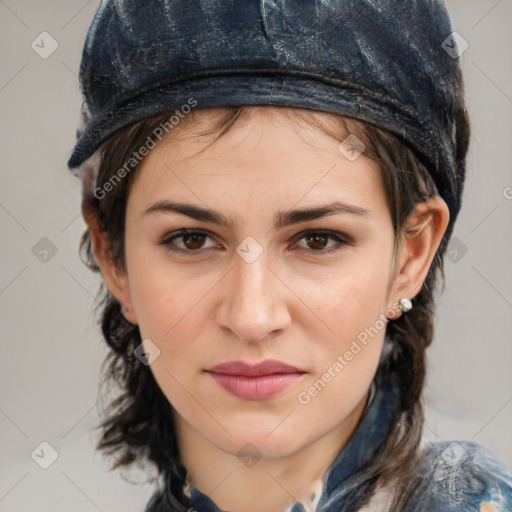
x=281 y=218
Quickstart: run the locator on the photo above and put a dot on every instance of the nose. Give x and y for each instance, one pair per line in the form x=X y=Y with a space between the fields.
x=254 y=300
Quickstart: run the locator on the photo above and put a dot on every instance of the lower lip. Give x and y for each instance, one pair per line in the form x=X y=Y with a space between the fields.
x=256 y=388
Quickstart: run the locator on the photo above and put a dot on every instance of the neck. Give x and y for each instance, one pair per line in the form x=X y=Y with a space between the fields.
x=270 y=485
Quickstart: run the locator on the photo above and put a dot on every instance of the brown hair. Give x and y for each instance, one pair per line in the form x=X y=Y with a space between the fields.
x=139 y=426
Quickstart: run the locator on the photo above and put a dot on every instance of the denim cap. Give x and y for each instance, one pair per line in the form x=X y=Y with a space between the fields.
x=380 y=61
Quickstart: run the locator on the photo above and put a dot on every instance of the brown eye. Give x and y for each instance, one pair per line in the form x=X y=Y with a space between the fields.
x=187 y=241
x=317 y=242
x=193 y=241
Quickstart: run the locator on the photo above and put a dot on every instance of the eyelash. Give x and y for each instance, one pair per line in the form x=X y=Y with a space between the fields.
x=166 y=241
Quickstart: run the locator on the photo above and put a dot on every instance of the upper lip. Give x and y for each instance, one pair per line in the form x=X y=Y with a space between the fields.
x=267 y=367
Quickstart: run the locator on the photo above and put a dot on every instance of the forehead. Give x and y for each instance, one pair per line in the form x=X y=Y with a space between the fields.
x=267 y=153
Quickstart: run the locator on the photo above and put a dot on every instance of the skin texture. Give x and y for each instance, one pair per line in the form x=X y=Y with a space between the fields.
x=291 y=303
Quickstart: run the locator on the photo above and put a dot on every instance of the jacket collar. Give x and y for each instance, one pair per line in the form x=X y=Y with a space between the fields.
x=369 y=436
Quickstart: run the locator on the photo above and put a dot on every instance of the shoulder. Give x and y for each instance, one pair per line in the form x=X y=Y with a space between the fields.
x=462 y=475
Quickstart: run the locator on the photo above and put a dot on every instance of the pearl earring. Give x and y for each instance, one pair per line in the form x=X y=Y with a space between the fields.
x=405 y=305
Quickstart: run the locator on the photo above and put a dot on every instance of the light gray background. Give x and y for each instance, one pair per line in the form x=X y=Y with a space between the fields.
x=51 y=349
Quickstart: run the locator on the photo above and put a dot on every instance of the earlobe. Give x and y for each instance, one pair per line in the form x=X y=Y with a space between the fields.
x=421 y=238
x=115 y=278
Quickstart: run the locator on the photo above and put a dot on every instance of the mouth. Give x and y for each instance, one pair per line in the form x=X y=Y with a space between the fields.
x=255 y=381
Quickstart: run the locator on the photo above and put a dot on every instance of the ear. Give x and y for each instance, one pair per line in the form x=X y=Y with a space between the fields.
x=115 y=278
x=421 y=238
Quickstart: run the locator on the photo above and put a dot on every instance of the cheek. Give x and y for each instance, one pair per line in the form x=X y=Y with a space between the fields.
x=353 y=308
x=349 y=299
x=171 y=304
x=165 y=303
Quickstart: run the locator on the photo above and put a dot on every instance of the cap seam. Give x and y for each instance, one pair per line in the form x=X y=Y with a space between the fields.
x=121 y=99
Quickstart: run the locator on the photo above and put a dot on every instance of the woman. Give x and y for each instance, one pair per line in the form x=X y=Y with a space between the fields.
x=269 y=190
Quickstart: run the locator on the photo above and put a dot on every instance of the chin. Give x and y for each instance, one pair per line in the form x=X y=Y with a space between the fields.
x=266 y=442
x=258 y=447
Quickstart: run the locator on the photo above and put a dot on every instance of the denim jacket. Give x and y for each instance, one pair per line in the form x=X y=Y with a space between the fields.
x=455 y=476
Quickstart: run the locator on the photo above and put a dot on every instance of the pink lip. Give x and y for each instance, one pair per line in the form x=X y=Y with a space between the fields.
x=255 y=381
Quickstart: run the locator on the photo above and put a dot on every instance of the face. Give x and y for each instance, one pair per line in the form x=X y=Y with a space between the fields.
x=255 y=282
